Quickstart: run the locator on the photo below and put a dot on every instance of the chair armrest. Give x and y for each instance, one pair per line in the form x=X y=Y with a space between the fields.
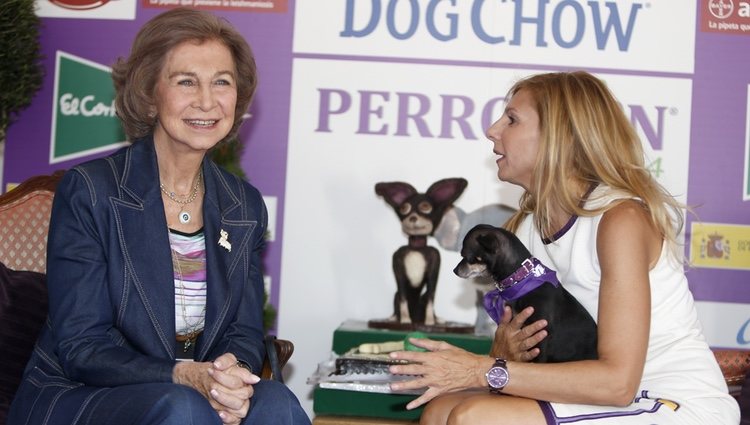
x=734 y=365
x=284 y=350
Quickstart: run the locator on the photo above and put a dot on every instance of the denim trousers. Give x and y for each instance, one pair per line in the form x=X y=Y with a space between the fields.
x=163 y=404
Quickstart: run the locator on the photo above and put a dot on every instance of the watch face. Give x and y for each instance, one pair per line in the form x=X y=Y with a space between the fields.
x=497 y=377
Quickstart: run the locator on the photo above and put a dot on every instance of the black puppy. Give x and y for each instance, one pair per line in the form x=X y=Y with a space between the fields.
x=417 y=264
x=522 y=281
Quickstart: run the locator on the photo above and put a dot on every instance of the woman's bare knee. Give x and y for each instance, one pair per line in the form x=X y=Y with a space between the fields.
x=494 y=409
x=432 y=415
x=436 y=411
x=465 y=413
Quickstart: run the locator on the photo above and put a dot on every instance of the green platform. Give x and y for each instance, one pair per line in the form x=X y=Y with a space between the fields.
x=391 y=406
x=355 y=403
x=353 y=333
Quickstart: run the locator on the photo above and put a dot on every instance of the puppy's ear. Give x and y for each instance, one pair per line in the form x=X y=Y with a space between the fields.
x=488 y=243
x=395 y=193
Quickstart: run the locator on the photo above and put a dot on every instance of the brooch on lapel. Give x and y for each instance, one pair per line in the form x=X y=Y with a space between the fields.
x=224 y=240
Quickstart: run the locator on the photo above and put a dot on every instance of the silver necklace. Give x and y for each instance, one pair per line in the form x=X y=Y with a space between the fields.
x=194 y=329
x=183 y=215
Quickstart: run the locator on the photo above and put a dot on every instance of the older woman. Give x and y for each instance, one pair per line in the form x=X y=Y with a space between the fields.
x=154 y=263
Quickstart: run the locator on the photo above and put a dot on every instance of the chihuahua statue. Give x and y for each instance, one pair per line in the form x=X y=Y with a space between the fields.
x=416 y=265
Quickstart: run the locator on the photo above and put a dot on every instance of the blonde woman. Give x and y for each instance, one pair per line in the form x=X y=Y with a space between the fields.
x=592 y=211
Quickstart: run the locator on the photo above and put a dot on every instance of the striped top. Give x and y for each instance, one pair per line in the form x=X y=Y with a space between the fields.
x=189 y=263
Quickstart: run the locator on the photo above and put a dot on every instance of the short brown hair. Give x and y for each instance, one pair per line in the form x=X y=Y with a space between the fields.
x=135 y=77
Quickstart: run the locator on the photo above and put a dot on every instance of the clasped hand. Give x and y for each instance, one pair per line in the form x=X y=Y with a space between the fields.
x=445 y=368
x=226 y=386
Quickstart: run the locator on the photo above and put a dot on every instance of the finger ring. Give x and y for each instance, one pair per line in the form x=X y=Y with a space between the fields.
x=244 y=365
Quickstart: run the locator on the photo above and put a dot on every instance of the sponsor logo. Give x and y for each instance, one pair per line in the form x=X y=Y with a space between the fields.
x=457 y=116
x=88 y=106
x=743 y=334
x=565 y=24
x=723 y=246
x=603 y=34
x=414 y=114
x=721 y=9
x=87 y=9
x=84 y=121
x=234 y=5
x=726 y=16
x=80 y=4
x=407 y=108
x=726 y=324
x=715 y=246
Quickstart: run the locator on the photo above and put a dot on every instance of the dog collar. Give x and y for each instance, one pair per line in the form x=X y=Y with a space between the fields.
x=527 y=267
x=531 y=275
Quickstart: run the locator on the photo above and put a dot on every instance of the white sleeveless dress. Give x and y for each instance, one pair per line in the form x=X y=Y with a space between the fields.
x=682 y=383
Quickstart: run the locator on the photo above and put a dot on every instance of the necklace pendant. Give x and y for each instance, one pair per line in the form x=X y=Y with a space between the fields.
x=188 y=343
x=184 y=217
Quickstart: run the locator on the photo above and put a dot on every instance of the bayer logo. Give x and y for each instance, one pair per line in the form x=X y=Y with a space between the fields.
x=721 y=9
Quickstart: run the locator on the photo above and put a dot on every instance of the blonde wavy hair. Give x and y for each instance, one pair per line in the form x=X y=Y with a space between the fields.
x=586 y=139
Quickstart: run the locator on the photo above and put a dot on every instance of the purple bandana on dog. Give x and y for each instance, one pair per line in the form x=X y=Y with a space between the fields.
x=531 y=275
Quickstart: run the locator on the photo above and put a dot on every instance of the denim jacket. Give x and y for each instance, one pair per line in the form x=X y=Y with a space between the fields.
x=111 y=315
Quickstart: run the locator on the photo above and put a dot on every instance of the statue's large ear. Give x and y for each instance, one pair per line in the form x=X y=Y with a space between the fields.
x=444 y=192
x=395 y=193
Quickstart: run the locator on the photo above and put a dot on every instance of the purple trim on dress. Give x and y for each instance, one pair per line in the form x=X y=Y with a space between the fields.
x=551 y=417
x=549 y=414
x=605 y=415
x=560 y=233
x=572 y=220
